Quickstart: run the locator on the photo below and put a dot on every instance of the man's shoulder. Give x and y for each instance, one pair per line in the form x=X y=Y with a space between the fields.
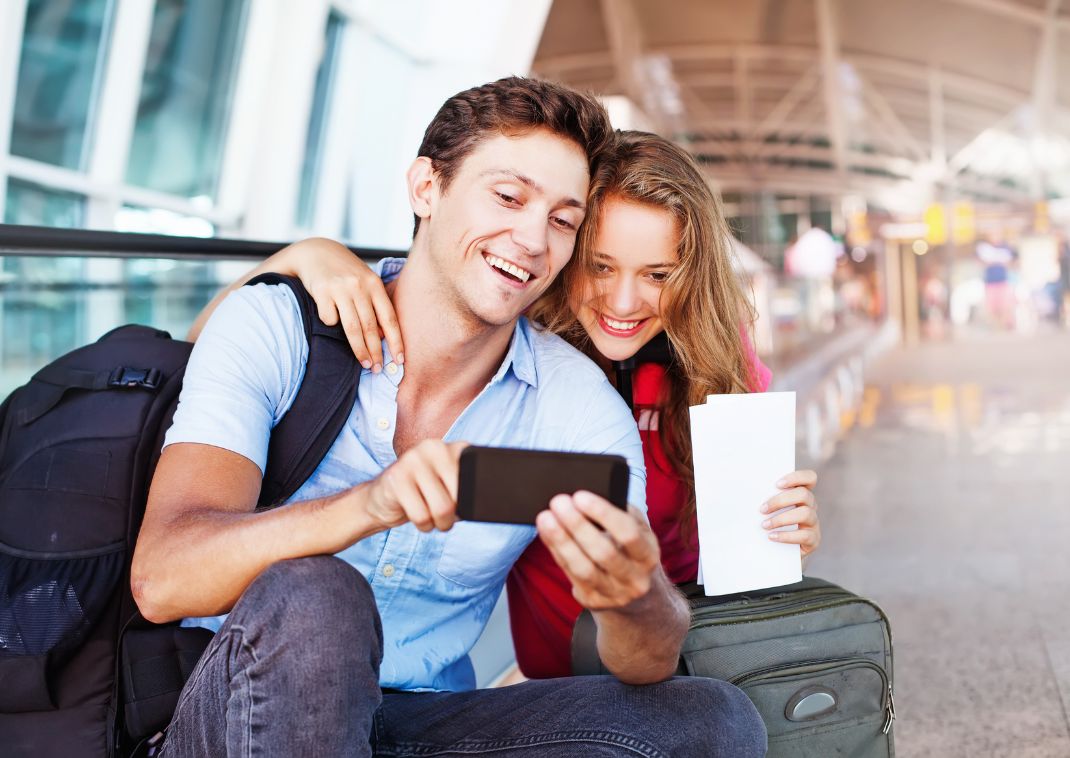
x=558 y=361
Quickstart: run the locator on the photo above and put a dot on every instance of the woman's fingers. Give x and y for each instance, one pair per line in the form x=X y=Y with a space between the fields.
x=347 y=312
x=369 y=327
x=787 y=498
x=802 y=515
x=388 y=323
x=803 y=478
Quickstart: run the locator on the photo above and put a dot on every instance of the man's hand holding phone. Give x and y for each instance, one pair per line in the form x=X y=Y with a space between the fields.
x=421 y=487
x=609 y=554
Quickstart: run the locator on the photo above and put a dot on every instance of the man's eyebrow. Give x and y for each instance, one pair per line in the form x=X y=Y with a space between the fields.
x=531 y=184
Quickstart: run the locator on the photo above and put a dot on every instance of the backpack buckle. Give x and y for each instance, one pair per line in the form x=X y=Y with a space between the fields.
x=124 y=376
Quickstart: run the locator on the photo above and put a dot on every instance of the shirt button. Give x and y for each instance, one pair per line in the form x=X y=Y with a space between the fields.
x=391 y=368
x=382 y=423
x=388 y=570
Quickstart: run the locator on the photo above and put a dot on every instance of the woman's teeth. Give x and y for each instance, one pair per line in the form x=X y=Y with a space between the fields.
x=621 y=325
x=508 y=267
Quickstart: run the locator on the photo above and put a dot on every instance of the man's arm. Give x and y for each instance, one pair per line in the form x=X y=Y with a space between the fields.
x=202 y=543
x=613 y=561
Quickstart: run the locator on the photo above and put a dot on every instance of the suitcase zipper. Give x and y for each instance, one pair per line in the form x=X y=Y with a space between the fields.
x=764 y=609
x=828 y=665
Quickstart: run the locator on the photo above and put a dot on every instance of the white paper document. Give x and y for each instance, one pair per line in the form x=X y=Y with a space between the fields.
x=742 y=445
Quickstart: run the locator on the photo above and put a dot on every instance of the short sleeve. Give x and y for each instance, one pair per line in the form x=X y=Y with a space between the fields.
x=243 y=374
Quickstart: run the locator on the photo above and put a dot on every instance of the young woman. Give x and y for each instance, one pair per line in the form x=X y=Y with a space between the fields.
x=653 y=257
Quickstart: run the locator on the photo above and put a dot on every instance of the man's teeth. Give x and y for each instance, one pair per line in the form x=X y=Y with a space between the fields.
x=621 y=325
x=508 y=267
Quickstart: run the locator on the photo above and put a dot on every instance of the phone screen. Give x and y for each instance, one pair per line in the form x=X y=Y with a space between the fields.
x=511 y=485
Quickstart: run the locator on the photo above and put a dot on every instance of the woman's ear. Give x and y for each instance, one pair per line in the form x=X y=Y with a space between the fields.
x=422 y=183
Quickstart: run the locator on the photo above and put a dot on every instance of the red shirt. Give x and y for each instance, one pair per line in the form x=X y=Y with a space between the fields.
x=542 y=610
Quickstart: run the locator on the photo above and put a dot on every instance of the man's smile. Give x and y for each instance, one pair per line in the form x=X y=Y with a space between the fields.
x=509 y=271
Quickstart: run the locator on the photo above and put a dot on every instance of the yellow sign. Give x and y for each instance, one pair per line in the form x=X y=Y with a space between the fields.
x=936 y=222
x=964 y=223
x=1041 y=220
x=858 y=228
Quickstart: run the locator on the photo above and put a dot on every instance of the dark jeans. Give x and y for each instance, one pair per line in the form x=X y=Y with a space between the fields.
x=295 y=672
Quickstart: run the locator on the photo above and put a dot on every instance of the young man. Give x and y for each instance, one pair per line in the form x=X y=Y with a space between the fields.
x=321 y=656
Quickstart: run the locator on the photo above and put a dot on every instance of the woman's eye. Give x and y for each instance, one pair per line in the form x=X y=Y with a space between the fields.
x=600 y=268
x=659 y=277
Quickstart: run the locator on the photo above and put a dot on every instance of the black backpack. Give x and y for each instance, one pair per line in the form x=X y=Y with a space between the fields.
x=81 y=672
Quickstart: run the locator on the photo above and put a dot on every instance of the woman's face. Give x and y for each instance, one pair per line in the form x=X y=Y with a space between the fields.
x=619 y=302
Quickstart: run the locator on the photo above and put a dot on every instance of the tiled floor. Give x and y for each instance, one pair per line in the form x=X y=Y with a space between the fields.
x=951 y=507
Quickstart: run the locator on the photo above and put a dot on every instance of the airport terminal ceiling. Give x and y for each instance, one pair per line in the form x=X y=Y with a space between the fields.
x=904 y=102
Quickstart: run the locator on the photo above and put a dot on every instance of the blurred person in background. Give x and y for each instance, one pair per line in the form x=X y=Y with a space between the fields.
x=1000 y=299
x=652 y=259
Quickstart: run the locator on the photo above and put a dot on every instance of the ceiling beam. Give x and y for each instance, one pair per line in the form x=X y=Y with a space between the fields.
x=897 y=132
x=1043 y=101
x=1016 y=11
x=830 y=75
x=937 y=122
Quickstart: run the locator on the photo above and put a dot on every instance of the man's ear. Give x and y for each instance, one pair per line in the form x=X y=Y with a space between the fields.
x=422 y=184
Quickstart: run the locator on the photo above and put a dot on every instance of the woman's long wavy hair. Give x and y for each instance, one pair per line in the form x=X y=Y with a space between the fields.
x=703 y=306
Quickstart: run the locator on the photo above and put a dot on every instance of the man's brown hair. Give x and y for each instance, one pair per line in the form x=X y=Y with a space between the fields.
x=512 y=105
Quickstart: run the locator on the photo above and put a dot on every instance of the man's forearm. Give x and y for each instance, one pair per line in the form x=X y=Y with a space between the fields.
x=200 y=562
x=641 y=644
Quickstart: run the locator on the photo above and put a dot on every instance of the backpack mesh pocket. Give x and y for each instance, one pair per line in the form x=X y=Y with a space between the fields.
x=47 y=607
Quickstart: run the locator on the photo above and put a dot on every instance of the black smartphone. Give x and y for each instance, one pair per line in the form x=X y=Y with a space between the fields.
x=511 y=485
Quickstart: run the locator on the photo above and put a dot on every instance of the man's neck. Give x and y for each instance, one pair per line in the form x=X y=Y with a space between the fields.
x=448 y=353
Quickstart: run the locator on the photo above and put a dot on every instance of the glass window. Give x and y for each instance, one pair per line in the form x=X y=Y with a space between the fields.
x=59 y=69
x=29 y=203
x=185 y=96
x=49 y=306
x=317 y=125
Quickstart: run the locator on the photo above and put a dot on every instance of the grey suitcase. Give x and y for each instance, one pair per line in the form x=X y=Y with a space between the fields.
x=815 y=659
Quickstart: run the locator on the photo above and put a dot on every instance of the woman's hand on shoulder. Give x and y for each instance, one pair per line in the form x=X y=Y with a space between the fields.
x=796 y=500
x=347 y=291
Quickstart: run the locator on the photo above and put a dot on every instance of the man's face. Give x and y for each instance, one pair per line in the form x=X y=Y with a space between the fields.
x=506 y=225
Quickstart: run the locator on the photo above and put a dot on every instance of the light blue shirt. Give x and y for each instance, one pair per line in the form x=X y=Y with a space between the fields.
x=434 y=591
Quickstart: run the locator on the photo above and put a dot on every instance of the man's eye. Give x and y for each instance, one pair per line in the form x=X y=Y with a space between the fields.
x=564 y=224
x=506 y=198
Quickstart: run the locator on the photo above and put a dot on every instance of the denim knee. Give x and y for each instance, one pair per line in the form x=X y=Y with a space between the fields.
x=318 y=597
x=711 y=704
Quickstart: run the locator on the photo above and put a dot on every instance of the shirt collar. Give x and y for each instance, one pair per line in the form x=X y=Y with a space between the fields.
x=520 y=356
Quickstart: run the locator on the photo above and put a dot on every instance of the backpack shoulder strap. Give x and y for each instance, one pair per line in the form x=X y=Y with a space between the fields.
x=323 y=403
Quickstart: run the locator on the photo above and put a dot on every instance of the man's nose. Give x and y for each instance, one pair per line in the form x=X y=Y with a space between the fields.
x=530 y=232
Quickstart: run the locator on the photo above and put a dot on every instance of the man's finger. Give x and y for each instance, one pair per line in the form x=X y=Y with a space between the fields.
x=596 y=544
x=388 y=322
x=441 y=507
x=626 y=528
x=412 y=501
x=566 y=552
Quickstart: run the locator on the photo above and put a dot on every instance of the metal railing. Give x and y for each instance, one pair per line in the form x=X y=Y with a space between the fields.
x=49 y=241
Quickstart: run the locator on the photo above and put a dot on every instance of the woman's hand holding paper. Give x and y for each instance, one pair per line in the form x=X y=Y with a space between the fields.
x=798 y=506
